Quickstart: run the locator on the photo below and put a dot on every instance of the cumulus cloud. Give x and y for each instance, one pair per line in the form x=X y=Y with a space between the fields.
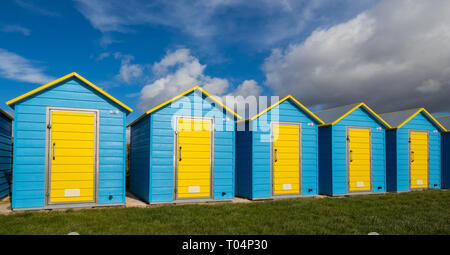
x=225 y=20
x=15 y=67
x=179 y=71
x=395 y=55
x=248 y=88
x=16 y=29
x=128 y=72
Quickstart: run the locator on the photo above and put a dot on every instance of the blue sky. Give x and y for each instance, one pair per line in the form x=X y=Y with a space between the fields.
x=325 y=52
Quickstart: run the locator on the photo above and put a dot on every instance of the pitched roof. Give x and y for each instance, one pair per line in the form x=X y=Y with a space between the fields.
x=399 y=118
x=6 y=114
x=181 y=95
x=396 y=118
x=334 y=115
x=12 y=102
x=296 y=102
x=445 y=121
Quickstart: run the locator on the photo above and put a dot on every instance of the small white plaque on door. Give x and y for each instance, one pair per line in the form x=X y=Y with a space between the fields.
x=287 y=186
x=72 y=192
x=194 y=189
x=359 y=184
x=419 y=182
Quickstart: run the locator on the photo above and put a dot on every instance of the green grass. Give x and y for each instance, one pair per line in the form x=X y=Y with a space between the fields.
x=424 y=212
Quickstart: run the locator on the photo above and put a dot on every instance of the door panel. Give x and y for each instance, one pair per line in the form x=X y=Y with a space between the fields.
x=194 y=158
x=359 y=160
x=286 y=159
x=72 y=161
x=418 y=159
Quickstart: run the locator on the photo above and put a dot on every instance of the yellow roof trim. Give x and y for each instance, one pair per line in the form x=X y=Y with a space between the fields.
x=353 y=109
x=429 y=115
x=409 y=118
x=435 y=120
x=34 y=91
x=281 y=101
x=217 y=101
x=443 y=116
x=179 y=96
x=6 y=114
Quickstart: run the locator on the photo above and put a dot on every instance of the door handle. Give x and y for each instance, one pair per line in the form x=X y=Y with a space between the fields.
x=54 y=151
x=179 y=152
x=412 y=156
x=276 y=155
x=351 y=156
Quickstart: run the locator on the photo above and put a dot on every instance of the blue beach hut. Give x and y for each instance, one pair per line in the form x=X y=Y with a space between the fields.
x=277 y=152
x=69 y=146
x=413 y=150
x=445 y=151
x=183 y=150
x=352 y=151
x=5 y=153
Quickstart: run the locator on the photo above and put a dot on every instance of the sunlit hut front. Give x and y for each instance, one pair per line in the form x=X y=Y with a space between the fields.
x=183 y=150
x=5 y=153
x=413 y=150
x=445 y=151
x=352 y=151
x=69 y=146
x=277 y=152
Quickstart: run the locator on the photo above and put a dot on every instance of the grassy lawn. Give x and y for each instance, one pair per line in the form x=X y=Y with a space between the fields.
x=424 y=212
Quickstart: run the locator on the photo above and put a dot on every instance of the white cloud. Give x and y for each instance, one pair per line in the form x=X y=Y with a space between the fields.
x=247 y=88
x=179 y=71
x=29 y=5
x=221 y=20
x=15 y=67
x=128 y=72
x=172 y=59
x=103 y=55
x=394 y=55
x=16 y=29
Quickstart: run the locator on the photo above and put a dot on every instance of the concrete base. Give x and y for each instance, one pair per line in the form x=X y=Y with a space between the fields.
x=357 y=194
x=284 y=197
x=192 y=201
x=67 y=206
x=133 y=201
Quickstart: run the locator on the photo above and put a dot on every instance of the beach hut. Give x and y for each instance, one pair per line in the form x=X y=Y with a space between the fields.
x=413 y=150
x=277 y=152
x=5 y=153
x=351 y=151
x=69 y=146
x=183 y=150
x=445 y=151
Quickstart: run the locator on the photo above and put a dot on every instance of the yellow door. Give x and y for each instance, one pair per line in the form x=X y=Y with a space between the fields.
x=286 y=159
x=359 y=160
x=72 y=156
x=194 y=158
x=419 y=159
